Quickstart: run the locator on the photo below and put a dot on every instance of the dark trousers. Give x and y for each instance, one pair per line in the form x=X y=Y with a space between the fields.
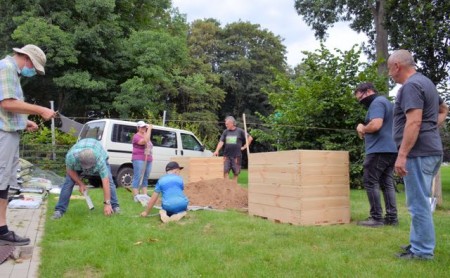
x=378 y=174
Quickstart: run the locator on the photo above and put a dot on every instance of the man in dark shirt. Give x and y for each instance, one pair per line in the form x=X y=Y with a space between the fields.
x=234 y=140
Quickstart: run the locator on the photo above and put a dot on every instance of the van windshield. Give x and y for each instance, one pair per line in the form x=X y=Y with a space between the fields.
x=93 y=130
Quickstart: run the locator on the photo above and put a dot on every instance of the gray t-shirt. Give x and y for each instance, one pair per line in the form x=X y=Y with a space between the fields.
x=382 y=140
x=234 y=140
x=419 y=92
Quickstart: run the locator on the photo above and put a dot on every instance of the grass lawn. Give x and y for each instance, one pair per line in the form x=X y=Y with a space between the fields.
x=231 y=244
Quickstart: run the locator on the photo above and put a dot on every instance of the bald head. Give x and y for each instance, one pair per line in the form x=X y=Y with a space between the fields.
x=401 y=65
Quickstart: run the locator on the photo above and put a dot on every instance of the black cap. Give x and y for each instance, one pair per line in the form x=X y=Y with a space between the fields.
x=173 y=165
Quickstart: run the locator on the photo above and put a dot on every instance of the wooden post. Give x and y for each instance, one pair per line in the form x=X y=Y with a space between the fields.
x=246 y=136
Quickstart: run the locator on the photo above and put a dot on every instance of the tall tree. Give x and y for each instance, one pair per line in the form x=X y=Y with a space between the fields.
x=420 y=26
x=366 y=16
x=425 y=30
x=248 y=59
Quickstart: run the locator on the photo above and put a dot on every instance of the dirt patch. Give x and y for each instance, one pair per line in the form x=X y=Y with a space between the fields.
x=217 y=193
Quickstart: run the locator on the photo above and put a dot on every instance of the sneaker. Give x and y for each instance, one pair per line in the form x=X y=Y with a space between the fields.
x=370 y=222
x=408 y=255
x=164 y=217
x=57 y=215
x=117 y=210
x=390 y=222
x=10 y=238
x=135 y=199
x=177 y=216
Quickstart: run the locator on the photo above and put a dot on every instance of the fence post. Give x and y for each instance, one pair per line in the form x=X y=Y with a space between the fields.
x=53 y=132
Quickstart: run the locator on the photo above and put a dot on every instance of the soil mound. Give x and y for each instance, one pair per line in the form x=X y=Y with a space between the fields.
x=217 y=193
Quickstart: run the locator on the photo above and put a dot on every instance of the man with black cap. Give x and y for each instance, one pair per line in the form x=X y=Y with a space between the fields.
x=87 y=157
x=381 y=153
x=14 y=111
x=174 y=202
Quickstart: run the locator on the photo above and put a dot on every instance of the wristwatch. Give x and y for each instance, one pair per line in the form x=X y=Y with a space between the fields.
x=107 y=202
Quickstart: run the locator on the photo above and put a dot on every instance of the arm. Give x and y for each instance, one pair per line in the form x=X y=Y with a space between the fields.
x=443 y=112
x=107 y=209
x=373 y=126
x=151 y=203
x=76 y=178
x=249 y=141
x=219 y=146
x=410 y=134
x=18 y=106
x=144 y=140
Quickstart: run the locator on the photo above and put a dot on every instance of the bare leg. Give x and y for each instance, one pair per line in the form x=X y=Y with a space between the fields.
x=3 y=205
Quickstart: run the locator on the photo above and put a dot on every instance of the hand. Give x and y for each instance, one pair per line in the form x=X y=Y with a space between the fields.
x=216 y=153
x=107 y=210
x=82 y=188
x=400 y=166
x=360 y=130
x=47 y=113
x=144 y=214
x=149 y=126
x=31 y=126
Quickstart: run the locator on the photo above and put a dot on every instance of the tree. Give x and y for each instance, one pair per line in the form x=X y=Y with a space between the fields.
x=248 y=59
x=365 y=16
x=420 y=26
x=425 y=31
x=316 y=108
x=83 y=41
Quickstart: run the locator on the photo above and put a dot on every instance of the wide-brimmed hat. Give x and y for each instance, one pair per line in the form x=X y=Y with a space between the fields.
x=37 y=56
x=173 y=165
x=141 y=124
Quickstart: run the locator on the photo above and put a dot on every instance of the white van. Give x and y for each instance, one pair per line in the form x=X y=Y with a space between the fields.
x=116 y=136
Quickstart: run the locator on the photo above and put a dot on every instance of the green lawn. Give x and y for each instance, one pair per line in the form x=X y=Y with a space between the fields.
x=231 y=244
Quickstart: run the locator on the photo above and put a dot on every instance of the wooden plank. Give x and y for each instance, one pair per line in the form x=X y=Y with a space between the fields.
x=274 y=213
x=313 y=217
x=300 y=192
x=299 y=203
x=326 y=216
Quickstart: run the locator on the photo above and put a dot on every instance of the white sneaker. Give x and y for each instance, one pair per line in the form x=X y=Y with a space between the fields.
x=57 y=215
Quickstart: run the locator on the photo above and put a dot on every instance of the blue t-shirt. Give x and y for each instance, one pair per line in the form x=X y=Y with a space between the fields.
x=419 y=92
x=171 y=187
x=382 y=140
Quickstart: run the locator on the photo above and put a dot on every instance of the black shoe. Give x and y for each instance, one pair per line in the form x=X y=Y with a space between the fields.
x=10 y=238
x=408 y=255
x=391 y=222
x=370 y=222
x=406 y=247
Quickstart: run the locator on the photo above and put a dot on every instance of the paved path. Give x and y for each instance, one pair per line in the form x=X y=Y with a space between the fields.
x=29 y=223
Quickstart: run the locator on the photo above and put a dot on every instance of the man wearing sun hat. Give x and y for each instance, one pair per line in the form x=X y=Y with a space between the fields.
x=87 y=157
x=14 y=111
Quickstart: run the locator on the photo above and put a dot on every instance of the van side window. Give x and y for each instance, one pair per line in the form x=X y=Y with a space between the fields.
x=93 y=130
x=190 y=142
x=123 y=133
x=164 y=138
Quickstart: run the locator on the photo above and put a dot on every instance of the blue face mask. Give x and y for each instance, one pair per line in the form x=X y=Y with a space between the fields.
x=28 y=72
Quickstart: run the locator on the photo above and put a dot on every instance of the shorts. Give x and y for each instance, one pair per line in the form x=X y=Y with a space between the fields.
x=9 y=158
x=232 y=163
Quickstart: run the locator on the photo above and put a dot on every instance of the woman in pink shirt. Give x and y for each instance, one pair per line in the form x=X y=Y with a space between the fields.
x=142 y=158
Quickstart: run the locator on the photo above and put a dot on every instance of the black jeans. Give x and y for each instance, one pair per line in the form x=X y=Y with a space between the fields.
x=378 y=174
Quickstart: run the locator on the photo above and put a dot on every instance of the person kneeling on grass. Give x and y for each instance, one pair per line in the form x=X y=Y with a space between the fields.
x=174 y=202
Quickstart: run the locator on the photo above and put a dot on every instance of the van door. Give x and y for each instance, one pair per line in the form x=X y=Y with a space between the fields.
x=191 y=147
x=165 y=146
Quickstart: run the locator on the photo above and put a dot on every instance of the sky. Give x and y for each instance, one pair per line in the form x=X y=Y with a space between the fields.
x=277 y=16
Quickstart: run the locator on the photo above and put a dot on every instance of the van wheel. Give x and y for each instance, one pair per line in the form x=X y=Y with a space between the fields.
x=95 y=181
x=125 y=177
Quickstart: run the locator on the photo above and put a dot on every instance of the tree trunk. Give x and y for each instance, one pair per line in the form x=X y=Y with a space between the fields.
x=381 y=37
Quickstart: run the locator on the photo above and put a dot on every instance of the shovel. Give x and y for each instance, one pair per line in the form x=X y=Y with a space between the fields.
x=433 y=199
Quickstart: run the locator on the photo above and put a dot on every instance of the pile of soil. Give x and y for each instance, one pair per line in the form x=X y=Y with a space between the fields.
x=216 y=193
